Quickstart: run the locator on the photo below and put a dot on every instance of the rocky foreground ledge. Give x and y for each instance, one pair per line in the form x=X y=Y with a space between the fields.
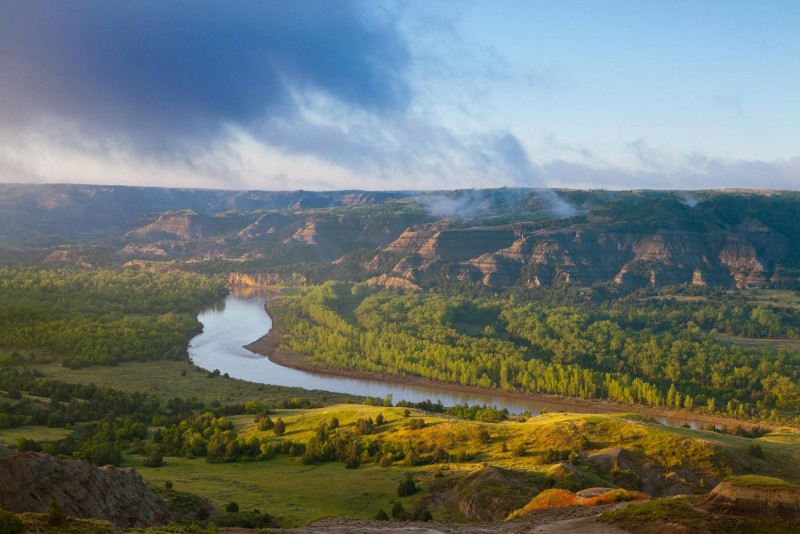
x=754 y=496
x=30 y=481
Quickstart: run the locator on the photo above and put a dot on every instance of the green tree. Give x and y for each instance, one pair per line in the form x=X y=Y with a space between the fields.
x=407 y=487
x=280 y=427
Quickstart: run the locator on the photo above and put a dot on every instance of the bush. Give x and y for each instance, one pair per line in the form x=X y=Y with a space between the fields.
x=231 y=507
x=55 y=515
x=382 y=516
x=28 y=445
x=11 y=524
x=756 y=450
x=155 y=459
x=421 y=513
x=265 y=422
x=254 y=519
x=407 y=487
x=352 y=462
x=398 y=512
x=280 y=427
x=415 y=424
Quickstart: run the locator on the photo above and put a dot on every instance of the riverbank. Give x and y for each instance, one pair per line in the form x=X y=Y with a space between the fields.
x=269 y=346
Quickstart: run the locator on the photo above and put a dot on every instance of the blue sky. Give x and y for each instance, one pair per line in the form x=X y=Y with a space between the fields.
x=401 y=95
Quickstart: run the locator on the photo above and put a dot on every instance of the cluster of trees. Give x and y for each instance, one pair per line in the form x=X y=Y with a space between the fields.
x=212 y=437
x=67 y=404
x=487 y=414
x=656 y=352
x=100 y=317
x=104 y=422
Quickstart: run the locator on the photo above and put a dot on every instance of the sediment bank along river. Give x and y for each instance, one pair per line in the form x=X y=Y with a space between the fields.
x=240 y=319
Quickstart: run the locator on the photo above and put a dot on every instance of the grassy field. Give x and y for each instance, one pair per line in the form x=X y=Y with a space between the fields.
x=294 y=493
x=773 y=297
x=10 y=436
x=182 y=379
x=298 y=493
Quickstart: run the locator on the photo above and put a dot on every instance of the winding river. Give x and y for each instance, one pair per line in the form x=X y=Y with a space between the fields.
x=240 y=319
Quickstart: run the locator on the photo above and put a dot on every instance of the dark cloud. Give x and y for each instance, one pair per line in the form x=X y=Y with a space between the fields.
x=158 y=76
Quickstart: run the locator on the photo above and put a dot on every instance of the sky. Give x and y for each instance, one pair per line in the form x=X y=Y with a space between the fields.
x=412 y=94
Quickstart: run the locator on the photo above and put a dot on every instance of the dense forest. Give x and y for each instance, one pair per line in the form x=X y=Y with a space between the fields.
x=99 y=317
x=639 y=349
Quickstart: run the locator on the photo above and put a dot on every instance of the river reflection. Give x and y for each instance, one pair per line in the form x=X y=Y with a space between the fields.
x=240 y=319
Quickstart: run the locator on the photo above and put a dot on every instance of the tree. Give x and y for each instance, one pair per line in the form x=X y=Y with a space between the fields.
x=55 y=515
x=398 y=512
x=407 y=487
x=265 y=423
x=280 y=427
x=155 y=459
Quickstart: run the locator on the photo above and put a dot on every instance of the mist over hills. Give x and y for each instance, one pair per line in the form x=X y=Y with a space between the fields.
x=497 y=237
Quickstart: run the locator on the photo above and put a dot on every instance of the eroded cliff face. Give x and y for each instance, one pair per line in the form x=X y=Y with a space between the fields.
x=186 y=225
x=632 y=239
x=583 y=255
x=30 y=481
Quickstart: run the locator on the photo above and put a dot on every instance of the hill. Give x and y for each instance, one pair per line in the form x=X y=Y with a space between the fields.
x=495 y=238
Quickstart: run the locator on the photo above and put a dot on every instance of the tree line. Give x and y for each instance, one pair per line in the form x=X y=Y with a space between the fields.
x=654 y=352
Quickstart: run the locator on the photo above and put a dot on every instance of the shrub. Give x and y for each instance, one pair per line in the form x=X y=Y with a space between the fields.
x=155 y=459
x=352 y=462
x=28 y=445
x=254 y=519
x=280 y=427
x=231 y=507
x=415 y=424
x=55 y=515
x=756 y=450
x=398 y=512
x=265 y=422
x=407 y=487
x=11 y=524
x=421 y=513
x=382 y=516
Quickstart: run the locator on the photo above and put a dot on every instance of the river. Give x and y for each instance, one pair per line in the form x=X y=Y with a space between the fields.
x=240 y=319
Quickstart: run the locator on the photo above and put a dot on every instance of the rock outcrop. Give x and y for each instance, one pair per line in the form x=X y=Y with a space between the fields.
x=754 y=496
x=492 y=493
x=30 y=481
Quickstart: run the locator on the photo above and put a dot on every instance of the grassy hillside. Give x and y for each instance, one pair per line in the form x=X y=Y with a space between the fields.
x=539 y=450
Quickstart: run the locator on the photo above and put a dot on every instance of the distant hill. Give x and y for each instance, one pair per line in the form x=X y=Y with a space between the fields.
x=497 y=238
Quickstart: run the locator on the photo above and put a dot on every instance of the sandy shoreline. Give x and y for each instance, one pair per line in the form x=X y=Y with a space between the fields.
x=267 y=346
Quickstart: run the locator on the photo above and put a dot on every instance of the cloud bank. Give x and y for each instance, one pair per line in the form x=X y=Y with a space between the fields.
x=161 y=76
x=271 y=94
